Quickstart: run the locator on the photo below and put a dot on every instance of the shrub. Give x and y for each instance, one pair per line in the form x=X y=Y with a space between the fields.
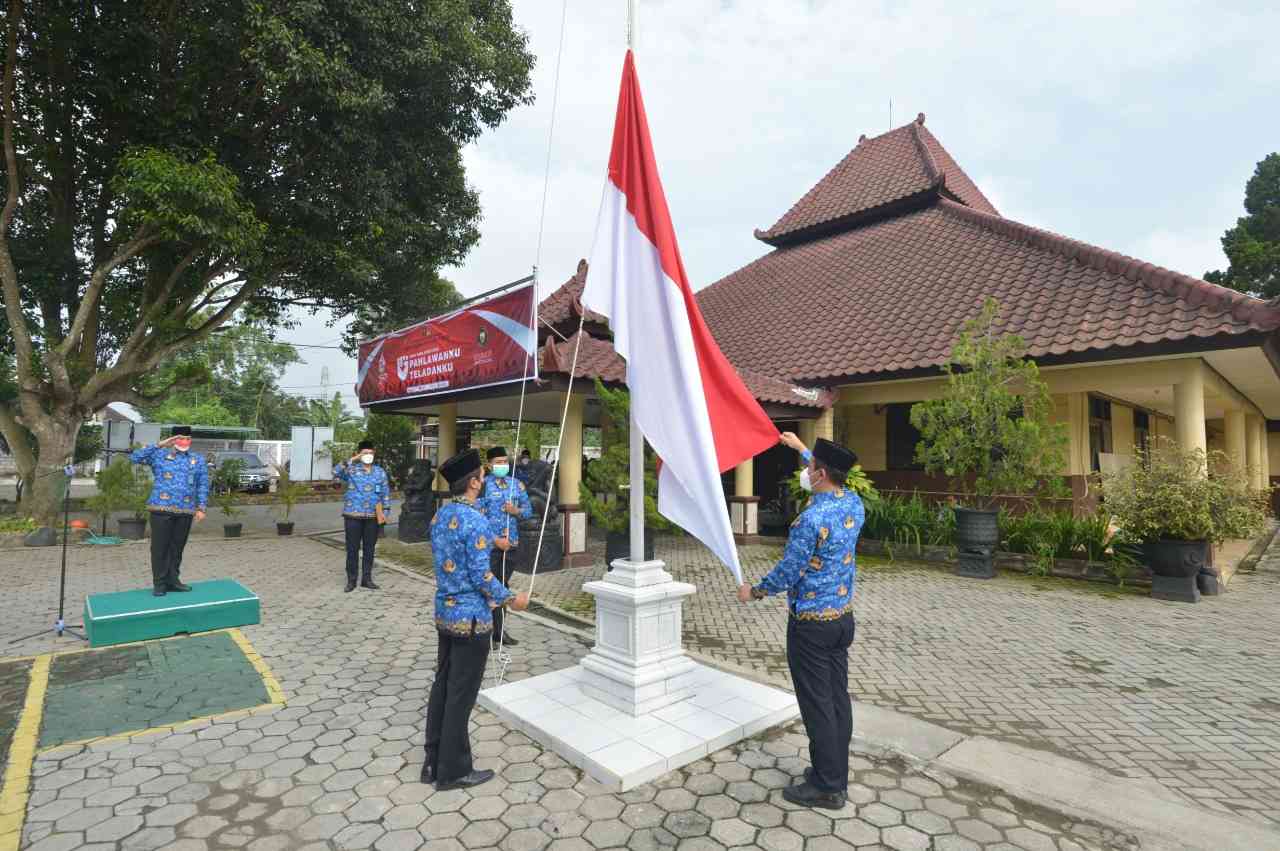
x=224 y=483
x=1171 y=493
x=288 y=492
x=990 y=432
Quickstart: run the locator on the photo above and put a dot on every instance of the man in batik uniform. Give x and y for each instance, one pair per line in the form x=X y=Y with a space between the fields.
x=179 y=494
x=817 y=571
x=505 y=502
x=467 y=593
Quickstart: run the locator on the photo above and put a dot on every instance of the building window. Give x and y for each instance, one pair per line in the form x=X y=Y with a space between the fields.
x=901 y=438
x=1099 y=429
x=1141 y=431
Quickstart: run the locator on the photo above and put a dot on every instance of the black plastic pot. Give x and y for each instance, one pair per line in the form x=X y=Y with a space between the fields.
x=284 y=528
x=1174 y=567
x=231 y=530
x=977 y=536
x=618 y=545
x=132 y=528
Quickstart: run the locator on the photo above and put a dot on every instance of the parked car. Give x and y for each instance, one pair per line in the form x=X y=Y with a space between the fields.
x=255 y=475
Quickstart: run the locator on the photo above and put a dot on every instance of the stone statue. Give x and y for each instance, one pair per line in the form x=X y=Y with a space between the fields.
x=419 y=503
x=537 y=479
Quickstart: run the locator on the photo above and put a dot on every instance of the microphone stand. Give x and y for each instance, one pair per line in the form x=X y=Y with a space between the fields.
x=60 y=627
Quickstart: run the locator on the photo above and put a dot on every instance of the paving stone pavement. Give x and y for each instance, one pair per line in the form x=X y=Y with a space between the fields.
x=337 y=766
x=1186 y=694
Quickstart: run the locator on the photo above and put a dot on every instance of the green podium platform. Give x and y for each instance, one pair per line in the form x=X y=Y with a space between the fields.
x=138 y=615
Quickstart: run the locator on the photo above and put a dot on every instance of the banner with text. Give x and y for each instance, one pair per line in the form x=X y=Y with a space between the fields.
x=487 y=343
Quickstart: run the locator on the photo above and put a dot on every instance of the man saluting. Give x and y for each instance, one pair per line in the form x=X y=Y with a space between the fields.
x=817 y=572
x=180 y=492
x=466 y=594
x=506 y=503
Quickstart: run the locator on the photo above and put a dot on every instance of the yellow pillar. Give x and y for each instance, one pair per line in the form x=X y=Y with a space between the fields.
x=570 y=467
x=808 y=432
x=1237 y=443
x=1253 y=449
x=1074 y=410
x=1266 y=455
x=1188 y=409
x=1121 y=429
x=744 y=478
x=573 y=518
x=447 y=435
x=825 y=426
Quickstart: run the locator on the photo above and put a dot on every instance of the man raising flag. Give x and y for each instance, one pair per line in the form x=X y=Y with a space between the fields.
x=686 y=398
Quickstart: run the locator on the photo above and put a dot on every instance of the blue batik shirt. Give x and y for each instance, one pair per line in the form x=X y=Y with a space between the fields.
x=497 y=493
x=819 y=564
x=181 y=479
x=367 y=487
x=461 y=539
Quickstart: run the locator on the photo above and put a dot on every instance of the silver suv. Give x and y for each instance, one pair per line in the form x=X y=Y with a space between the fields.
x=255 y=475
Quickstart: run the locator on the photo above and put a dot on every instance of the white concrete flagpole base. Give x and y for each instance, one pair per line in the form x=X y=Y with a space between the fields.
x=637 y=707
x=638 y=664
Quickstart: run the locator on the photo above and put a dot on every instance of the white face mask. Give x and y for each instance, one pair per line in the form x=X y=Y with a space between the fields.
x=805 y=481
x=367 y=458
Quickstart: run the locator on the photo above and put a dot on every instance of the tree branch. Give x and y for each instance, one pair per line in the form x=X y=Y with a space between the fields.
x=8 y=273
x=139 y=242
x=16 y=436
x=151 y=311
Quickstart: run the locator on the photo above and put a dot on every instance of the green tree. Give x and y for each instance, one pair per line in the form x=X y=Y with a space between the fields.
x=429 y=295
x=393 y=436
x=210 y=412
x=612 y=470
x=991 y=431
x=170 y=168
x=1253 y=245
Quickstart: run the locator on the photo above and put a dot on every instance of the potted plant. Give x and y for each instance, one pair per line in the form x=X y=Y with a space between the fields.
x=1177 y=503
x=118 y=489
x=288 y=492
x=225 y=481
x=605 y=489
x=990 y=433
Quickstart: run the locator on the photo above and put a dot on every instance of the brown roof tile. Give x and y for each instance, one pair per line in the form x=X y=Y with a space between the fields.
x=896 y=291
x=563 y=308
x=597 y=359
x=893 y=170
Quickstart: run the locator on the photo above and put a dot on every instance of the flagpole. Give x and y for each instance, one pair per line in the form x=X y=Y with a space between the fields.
x=637 y=437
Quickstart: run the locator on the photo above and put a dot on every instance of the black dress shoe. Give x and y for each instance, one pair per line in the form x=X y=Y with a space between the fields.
x=509 y=640
x=807 y=795
x=158 y=592
x=428 y=773
x=370 y=584
x=466 y=781
x=178 y=586
x=351 y=586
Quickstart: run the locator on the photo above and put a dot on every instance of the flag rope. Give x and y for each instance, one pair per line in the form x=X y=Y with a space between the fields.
x=504 y=658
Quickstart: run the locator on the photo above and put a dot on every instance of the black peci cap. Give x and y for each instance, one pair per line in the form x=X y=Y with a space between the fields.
x=497 y=452
x=834 y=456
x=461 y=466
x=365 y=444
x=182 y=431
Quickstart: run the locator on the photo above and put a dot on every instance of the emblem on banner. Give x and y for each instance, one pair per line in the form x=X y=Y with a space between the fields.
x=402 y=367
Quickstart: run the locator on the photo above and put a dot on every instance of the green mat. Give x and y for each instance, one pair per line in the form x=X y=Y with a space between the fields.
x=138 y=615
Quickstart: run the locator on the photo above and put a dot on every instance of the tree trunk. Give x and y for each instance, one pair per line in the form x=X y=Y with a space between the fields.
x=42 y=496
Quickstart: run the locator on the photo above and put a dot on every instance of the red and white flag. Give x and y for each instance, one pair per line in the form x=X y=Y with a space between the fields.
x=689 y=402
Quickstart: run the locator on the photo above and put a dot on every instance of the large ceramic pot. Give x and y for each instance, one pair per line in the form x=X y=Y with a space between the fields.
x=132 y=528
x=231 y=530
x=977 y=536
x=285 y=528
x=618 y=545
x=1174 y=566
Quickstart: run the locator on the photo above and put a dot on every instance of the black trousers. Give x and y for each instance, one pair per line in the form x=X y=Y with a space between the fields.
x=818 y=655
x=168 y=539
x=459 y=672
x=362 y=532
x=504 y=576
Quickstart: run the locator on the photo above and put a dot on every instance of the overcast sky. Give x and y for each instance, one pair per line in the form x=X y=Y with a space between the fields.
x=1129 y=125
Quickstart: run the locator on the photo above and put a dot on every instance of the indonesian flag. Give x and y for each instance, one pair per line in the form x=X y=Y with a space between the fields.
x=689 y=402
